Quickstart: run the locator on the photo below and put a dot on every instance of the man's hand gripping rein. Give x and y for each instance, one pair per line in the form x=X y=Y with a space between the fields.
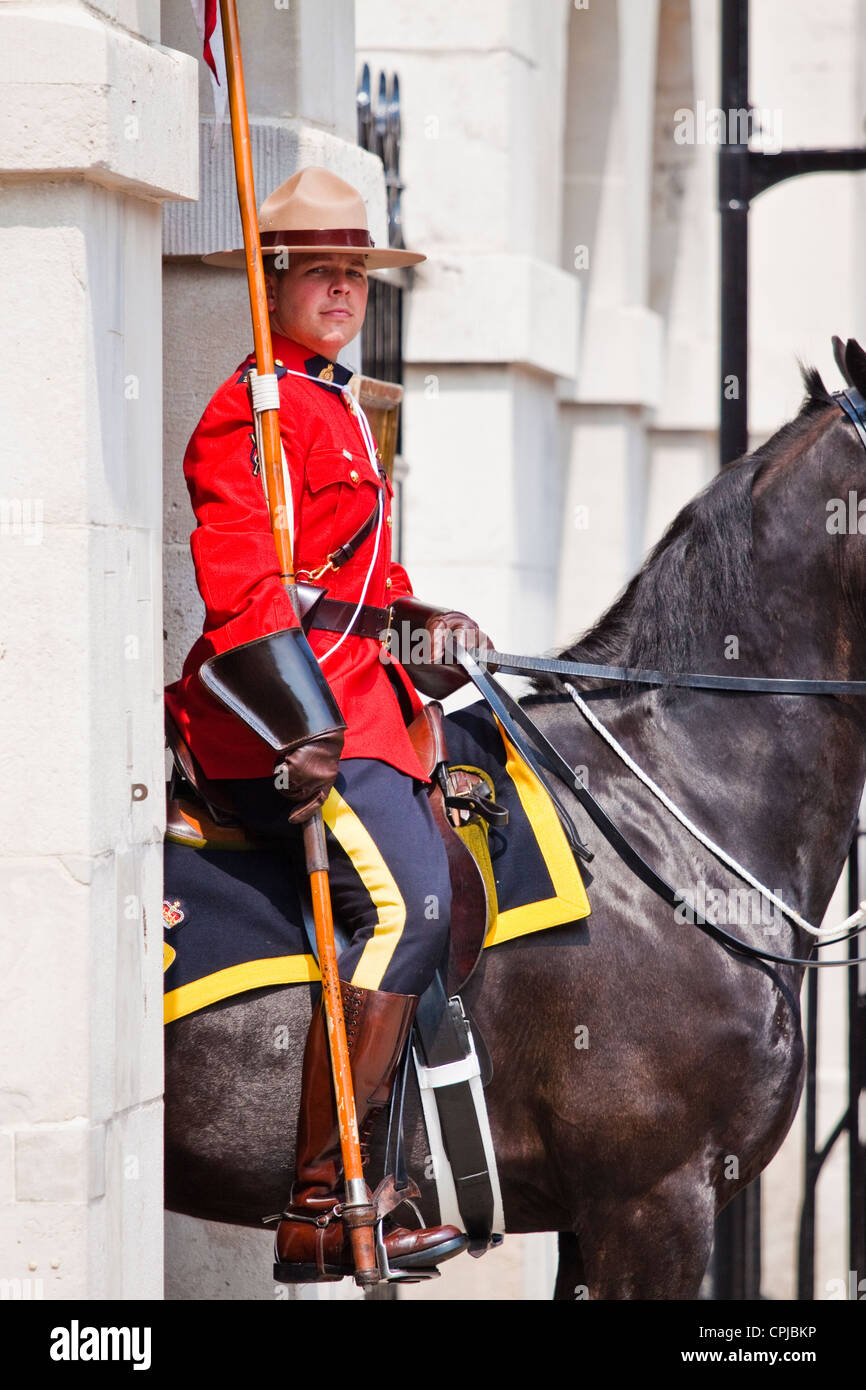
x=423 y=635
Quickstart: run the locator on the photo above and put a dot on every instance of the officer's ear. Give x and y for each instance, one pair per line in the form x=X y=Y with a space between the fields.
x=275 y=265
x=271 y=289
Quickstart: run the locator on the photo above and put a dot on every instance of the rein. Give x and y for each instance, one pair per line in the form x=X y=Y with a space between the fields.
x=632 y=675
x=514 y=718
x=517 y=722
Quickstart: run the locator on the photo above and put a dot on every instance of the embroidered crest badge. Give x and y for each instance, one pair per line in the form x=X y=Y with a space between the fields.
x=172 y=913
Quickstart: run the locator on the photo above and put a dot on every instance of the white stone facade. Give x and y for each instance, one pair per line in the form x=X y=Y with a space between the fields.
x=98 y=128
x=561 y=371
x=539 y=156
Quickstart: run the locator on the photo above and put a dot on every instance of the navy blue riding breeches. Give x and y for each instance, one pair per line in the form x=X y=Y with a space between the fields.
x=390 y=886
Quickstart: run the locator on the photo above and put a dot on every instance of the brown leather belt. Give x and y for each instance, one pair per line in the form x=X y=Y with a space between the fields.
x=334 y=615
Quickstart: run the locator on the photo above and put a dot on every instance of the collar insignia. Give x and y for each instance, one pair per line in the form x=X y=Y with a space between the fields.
x=325 y=370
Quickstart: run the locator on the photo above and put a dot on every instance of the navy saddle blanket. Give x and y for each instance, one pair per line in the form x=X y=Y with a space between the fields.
x=233 y=917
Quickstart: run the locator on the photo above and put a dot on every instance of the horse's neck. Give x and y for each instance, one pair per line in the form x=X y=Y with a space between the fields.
x=775 y=781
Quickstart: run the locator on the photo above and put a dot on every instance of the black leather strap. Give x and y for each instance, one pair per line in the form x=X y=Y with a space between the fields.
x=442 y=1032
x=302 y=879
x=854 y=407
x=514 y=719
x=333 y=615
x=525 y=665
x=345 y=552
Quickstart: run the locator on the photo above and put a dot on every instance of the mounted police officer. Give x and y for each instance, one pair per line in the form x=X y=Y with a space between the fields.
x=344 y=740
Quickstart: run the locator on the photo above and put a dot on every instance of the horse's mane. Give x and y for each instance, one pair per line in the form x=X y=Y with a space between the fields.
x=698 y=578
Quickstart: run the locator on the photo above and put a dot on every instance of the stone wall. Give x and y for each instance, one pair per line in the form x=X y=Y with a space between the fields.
x=98 y=128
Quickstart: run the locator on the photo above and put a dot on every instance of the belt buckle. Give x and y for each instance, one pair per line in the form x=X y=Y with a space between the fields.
x=384 y=640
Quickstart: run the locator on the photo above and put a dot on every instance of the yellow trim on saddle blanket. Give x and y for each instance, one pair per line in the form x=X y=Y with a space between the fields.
x=568 y=901
x=254 y=974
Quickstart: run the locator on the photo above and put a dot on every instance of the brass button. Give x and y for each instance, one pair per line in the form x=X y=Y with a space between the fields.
x=387 y=583
x=387 y=521
x=277 y=362
x=354 y=475
x=379 y=455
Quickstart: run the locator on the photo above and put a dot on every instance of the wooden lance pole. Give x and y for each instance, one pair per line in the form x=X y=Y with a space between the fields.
x=358 y=1212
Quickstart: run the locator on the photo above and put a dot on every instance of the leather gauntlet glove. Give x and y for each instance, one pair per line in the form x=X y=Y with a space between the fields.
x=434 y=677
x=306 y=774
x=275 y=685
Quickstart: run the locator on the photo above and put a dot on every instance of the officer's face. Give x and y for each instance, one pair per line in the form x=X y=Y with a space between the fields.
x=320 y=301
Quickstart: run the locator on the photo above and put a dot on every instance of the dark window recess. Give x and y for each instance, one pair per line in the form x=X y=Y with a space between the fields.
x=382 y=335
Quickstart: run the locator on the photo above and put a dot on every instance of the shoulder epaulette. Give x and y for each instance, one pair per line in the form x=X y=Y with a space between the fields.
x=244 y=376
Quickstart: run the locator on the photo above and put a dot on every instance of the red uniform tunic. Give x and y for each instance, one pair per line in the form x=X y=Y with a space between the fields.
x=334 y=489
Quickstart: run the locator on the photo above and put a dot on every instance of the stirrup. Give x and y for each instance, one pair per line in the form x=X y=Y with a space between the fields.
x=399 y=1276
x=409 y=1268
x=308 y=1273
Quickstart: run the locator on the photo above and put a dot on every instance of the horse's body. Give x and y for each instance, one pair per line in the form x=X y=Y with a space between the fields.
x=630 y=1136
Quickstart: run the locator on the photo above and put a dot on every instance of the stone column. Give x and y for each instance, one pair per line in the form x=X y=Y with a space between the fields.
x=492 y=318
x=299 y=67
x=99 y=126
x=606 y=240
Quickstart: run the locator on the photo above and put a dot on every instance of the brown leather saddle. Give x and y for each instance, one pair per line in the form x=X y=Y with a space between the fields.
x=200 y=814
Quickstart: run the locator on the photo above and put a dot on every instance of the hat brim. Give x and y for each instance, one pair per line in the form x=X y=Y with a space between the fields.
x=376 y=260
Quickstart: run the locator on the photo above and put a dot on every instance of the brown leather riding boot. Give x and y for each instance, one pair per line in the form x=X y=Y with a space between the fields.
x=311 y=1243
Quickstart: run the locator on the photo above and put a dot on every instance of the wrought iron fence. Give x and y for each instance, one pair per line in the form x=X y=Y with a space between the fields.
x=382 y=336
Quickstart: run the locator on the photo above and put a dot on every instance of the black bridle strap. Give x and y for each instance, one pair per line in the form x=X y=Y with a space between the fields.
x=854 y=407
x=525 y=665
x=514 y=719
x=511 y=715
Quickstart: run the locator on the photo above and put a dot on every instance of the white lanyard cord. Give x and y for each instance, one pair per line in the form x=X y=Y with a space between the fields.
x=369 y=445
x=850 y=922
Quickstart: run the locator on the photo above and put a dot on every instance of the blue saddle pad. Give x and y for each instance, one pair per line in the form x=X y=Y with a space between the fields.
x=233 y=918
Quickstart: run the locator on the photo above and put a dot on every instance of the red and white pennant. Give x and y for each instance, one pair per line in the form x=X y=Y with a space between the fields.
x=210 y=32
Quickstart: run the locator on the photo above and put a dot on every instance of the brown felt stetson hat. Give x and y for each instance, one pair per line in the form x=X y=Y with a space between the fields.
x=315 y=210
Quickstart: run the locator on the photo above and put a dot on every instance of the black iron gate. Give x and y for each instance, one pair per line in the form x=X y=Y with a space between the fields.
x=379 y=132
x=849 y=1121
x=382 y=335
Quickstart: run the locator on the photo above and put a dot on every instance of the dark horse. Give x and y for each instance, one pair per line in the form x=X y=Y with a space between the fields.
x=643 y=1073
